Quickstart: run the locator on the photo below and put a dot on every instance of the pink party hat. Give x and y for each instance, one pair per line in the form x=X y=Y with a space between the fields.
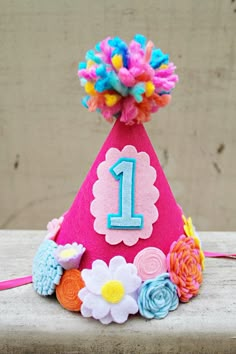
x=98 y=197
x=124 y=244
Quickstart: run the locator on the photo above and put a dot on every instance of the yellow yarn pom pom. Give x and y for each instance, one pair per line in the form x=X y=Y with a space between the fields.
x=163 y=66
x=111 y=100
x=90 y=63
x=150 y=88
x=89 y=88
x=117 y=61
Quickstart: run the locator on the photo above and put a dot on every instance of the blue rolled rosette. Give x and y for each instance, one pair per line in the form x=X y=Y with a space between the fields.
x=157 y=297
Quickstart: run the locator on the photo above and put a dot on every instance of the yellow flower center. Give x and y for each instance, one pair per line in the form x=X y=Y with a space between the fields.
x=113 y=291
x=67 y=253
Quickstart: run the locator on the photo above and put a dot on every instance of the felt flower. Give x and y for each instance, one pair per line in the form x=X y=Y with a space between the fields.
x=190 y=231
x=108 y=294
x=69 y=256
x=127 y=81
x=53 y=228
x=68 y=288
x=157 y=297
x=47 y=271
x=184 y=267
x=150 y=262
x=188 y=226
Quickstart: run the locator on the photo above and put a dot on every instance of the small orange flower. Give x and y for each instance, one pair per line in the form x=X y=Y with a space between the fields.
x=67 y=291
x=184 y=266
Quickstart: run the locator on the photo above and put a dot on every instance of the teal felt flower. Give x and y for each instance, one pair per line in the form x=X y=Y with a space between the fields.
x=47 y=271
x=157 y=297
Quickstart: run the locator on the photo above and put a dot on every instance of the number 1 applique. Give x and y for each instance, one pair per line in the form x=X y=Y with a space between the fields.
x=125 y=196
x=124 y=171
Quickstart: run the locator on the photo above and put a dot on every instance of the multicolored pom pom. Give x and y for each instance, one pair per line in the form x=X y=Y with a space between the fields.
x=127 y=82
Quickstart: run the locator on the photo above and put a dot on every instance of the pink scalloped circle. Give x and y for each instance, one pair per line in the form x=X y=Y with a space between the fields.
x=105 y=191
x=150 y=262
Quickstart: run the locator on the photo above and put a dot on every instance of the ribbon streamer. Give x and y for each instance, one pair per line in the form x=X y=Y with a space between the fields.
x=14 y=283
x=219 y=255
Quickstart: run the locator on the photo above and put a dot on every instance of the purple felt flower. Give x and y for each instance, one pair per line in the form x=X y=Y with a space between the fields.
x=69 y=256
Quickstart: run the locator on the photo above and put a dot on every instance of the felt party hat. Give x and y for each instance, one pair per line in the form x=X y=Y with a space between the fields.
x=124 y=245
x=86 y=221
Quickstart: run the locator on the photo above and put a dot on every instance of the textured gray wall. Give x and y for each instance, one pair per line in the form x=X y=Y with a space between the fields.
x=48 y=140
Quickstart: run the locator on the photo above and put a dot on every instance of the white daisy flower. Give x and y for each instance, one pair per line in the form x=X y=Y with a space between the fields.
x=109 y=292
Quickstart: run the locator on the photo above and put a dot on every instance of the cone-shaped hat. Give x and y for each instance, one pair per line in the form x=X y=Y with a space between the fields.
x=124 y=244
x=166 y=224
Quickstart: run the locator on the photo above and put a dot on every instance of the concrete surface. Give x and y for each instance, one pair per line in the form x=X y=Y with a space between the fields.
x=32 y=324
x=48 y=140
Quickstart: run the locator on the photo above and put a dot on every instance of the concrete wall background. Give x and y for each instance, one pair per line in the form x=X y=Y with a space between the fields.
x=48 y=140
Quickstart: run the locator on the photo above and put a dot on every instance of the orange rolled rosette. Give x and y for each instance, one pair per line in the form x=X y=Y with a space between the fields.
x=67 y=291
x=184 y=267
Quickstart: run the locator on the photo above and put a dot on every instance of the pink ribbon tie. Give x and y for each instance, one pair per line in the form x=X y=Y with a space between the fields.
x=219 y=255
x=14 y=283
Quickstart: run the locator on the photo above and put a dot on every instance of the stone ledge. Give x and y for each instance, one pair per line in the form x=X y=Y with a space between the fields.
x=32 y=324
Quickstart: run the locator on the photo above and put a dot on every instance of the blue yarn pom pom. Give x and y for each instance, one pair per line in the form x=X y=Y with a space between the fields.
x=137 y=92
x=139 y=38
x=116 y=84
x=97 y=47
x=82 y=65
x=103 y=85
x=90 y=55
x=85 y=100
x=158 y=58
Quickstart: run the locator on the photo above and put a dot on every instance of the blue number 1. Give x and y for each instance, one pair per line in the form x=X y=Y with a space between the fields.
x=124 y=171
